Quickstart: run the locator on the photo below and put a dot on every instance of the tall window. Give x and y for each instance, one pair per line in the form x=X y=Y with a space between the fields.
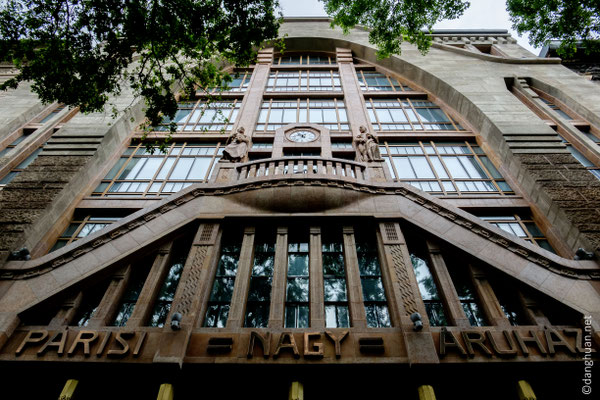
x=429 y=291
x=261 y=281
x=200 y=116
x=521 y=226
x=304 y=59
x=330 y=113
x=334 y=281
x=132 y=292
x=311 y=80
x=89 y=303
x=297 y=289
x=166 y=293
x=222 y=291
x=139 y=173
x=371 y=281
x=445 y=168
x=409 y=115
x=376 y=81
x=466 y=295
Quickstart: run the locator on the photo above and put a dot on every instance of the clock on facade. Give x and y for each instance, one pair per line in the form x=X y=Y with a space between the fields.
x=302 y=136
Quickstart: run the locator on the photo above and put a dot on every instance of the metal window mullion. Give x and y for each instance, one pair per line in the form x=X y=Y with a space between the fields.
x=376 y=116
x=364 y=81
x=390 y=156
x=412 y=107
x=450 y=176
x=74 y=237
x=268 y=119
x=431 y=166
x=337 y=113
x=390 y=82
x=115 y=179
x=482 y=165
x=168 y=176
x=212 y=162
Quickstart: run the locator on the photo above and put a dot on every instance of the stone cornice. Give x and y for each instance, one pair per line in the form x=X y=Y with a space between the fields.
x=570 y=268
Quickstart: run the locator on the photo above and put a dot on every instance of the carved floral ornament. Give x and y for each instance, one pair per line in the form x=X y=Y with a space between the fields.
x=32 y=268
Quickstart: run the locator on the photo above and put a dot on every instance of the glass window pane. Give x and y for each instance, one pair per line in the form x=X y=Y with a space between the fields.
x=421 y=167
x=182 y=168
x=373 y=289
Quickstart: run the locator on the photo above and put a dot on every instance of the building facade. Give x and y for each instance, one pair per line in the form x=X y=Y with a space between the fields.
x=423 y=226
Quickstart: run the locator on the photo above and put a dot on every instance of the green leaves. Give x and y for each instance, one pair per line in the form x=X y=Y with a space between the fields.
x=392 y=22
x=81 y=52
x=566 y=20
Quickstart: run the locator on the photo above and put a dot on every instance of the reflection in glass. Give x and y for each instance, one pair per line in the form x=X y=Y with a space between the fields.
x=429 y=292
x=261 y=281
x=222 y=291
x=89 y=303
x=371 y=280
x=296 y=301
x=466 y=295
x=132 y=292
x=166 y=293
x=334 y=280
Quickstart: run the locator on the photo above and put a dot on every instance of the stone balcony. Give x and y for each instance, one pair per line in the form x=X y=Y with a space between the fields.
x=300 y=167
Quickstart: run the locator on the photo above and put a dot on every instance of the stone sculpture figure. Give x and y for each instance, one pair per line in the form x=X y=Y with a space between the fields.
x=360 y=143
x=373 y=153
x=237 y=146
x=367 y=146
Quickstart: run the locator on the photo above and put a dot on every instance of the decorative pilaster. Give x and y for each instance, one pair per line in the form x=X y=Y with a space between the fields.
x=446 y=287
x=276 y=311
x=110 y=301
x=358 y=314
x=317 y=308
x=242 y=281
x=250 y=107
x=489 y=302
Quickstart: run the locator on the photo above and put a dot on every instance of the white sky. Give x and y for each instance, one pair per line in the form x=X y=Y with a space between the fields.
x=483 y=14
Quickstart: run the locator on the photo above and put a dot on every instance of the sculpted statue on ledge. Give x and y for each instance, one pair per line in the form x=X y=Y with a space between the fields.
x=237 y=146
x=367 y=146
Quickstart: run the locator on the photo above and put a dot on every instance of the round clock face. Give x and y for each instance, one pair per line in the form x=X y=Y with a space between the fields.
x=303 y=136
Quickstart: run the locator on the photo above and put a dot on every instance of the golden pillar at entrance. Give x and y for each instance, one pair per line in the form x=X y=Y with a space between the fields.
x=165 y=392
x=296 y=391
x=68 y=390
x=525 y=391
x=426 y=393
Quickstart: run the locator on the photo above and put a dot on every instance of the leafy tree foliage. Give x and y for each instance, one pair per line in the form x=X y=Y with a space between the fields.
x=80 y=52
x=567 y=20
x=393 y=21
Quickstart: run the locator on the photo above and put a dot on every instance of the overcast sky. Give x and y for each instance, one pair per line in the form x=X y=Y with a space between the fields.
x=483 y=14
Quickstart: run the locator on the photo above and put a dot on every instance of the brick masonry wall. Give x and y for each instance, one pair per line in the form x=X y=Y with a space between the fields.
x=574 y=190
x=23 y=201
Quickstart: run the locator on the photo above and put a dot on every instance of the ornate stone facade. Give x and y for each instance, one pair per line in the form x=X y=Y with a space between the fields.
x=416 y=217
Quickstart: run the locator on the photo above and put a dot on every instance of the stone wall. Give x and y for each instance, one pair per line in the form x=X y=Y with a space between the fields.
x=24 y=200
x=573 y=190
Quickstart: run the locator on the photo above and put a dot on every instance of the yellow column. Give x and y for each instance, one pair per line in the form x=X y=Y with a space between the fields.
x=525 y=391
x=165 y=392
x=296 y=391
x=426 y=393
x=68 y=390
